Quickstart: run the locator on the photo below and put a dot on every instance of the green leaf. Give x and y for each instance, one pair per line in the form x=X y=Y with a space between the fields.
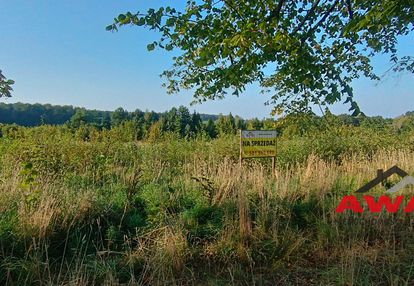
x=151 y=47
x=141 y=21
x=170 y=22
x=121 y=17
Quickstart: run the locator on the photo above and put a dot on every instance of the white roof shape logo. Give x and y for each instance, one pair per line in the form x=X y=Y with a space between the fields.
x=407 y=180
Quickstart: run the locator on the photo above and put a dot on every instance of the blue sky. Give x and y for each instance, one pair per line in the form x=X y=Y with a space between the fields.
x=58 y=52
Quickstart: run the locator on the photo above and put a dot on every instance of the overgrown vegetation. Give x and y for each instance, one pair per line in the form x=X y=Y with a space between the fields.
x=107 y=209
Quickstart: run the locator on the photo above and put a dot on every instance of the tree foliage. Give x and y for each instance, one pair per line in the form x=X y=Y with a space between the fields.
x=304 y=52
x=35 y=114
x=5 y=86
x=178 y=122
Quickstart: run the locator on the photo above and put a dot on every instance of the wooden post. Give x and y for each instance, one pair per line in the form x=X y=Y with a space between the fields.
x=274 y=159
x=240 y=156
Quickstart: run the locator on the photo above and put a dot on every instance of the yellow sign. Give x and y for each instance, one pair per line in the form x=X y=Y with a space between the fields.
x=258 y=143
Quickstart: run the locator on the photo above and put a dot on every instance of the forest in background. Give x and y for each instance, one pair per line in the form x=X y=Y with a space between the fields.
x=26 y=114
x=138 y=125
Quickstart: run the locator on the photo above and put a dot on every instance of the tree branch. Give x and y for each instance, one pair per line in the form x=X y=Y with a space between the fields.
x=276 y=12
x=307 y=16
x=323 y=19
x=349 y=7
x=233 y=8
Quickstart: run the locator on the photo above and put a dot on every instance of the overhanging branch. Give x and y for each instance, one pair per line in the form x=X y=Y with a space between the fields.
x=323 y=19
x=307 y=16
x=275 y=14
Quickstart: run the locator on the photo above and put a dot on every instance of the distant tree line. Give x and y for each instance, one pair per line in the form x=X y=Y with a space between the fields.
x=25 y=114
x=181 y=122
x=143 y=124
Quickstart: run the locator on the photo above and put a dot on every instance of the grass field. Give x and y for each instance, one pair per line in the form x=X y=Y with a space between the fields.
x=108 y=211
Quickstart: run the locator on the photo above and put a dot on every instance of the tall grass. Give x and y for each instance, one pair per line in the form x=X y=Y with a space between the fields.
x=106 y=212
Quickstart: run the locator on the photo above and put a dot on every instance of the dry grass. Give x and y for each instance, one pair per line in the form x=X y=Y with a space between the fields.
x=279 y=227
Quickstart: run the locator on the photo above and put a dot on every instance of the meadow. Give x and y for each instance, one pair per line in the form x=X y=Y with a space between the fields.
x=104 y=209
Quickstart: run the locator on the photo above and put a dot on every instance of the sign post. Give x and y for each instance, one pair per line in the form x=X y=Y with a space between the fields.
x=258 y=144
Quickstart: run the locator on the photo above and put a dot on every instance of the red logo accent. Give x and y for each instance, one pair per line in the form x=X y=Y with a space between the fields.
x=375 y=206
